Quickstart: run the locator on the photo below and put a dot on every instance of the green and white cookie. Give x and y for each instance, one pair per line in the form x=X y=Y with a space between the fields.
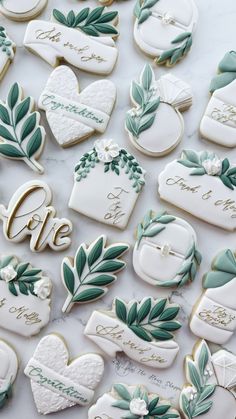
x=8 y=371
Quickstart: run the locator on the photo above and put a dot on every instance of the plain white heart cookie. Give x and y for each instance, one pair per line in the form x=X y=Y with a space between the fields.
x=58 y=383
x=74 y=116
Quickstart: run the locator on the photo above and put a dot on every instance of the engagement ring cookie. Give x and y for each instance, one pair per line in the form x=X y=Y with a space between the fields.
x=147 y=325
x=165 y=253
x=219 y=121
x=155 y=124
x=83 y=40
x=119 y=180
x=130 y=401
x=29 y=213
x=74 y=116
x=21 y=135
x=24 y=297
x=8 y=371
x=7 y=51
x=164 y=29
x=57 y=382
x=87 y=276
x=214 y=315
x=22 y=10
x=211 y=379
x=202 y=184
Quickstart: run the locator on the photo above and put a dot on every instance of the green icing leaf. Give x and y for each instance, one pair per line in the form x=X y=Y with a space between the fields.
x=121 y=404
x=10 y=151
x=140 y=332
x=173 y=55
x=88 y=295
x=142 y=9
x=223 y=270
x=122 y=392
x=194 y=376
x=96 y=251
x=144 y=310
x=121 y=311
x=5 y=395
x=150 y=227
x=115 y=251
x=68 y=278
x=203 y=358
x=80 y=261
x=13 y=95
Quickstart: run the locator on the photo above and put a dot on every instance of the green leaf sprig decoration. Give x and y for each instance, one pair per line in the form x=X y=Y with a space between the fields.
x=156 y=407
x=6 y=44
x=172 y=56
x=223 y=270
x=94 y=22
x=152 y=224
x=142 y=9
x=5 y=395
x=125 y=161
x=226 y=72
x=143 y=94
x=93 y=269
x=25 y=278
x=150 y=319
x=194 y=397
x=188 y=270
x=206 y=163
x=21 y=136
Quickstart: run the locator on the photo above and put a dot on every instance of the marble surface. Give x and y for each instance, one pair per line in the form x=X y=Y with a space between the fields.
x=214 y=36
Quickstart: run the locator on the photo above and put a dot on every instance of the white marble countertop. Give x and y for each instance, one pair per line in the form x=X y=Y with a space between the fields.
x=214 y=36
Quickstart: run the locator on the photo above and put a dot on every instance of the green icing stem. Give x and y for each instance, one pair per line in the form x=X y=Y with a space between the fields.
x=227 y=70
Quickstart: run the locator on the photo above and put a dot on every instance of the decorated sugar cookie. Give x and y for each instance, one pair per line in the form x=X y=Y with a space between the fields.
x=87 y=276
x=83 y=40
x=119 y=180
x=21 y=135
x=8 y=371
x=147 y=325
x=131 y=401
x=29 y=213
x=208 y=393
x=214 y=314
x=165 y=253
x=57 y=382
x=219 y=121
x=164 y=29
x=7 y=51
x=203 y=184
x=24 y=297
x=74 y=116
x=155 y=124
x=22 y=10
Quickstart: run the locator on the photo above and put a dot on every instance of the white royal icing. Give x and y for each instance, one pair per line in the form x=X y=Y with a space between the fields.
x=73 y=116
x=57 y=383
x=8 y=366
x=29 y=213
x=23 y=9
x=206 y=196
x=53 y=42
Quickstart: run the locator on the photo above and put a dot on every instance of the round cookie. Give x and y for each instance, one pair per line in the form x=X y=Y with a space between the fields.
x=22 y=10
x=8 y=371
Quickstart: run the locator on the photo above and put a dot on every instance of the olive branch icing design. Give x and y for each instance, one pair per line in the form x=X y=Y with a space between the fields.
x=87 y=276
x=142 y=9
x=153 y=224
x=194 y=397
x=223 y=270
x=21 y=278
x=94 y=23
x=184 y=42
x=150 y=319
x=142 y=117
x=123 y=161
x=21 y=135
x=207 y=163
x=5 y=395
x=6 y=44
x=151 y=405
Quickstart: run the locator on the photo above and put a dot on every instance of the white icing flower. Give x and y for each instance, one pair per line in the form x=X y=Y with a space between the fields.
x=42 y=288
x=8 y=273
x=213 y=166
x=138 y=407
x=106 y=150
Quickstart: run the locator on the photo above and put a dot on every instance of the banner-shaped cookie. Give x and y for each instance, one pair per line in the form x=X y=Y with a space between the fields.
x=164 y=29
x=202 y=184
x=155 y=125
x=74 y=116
x=29 y=213
x=143 y=331
x=214 y=315
x=77 y=39
x=210 y=383
x=58 y=383
x=8 y=371
x=219 y=121
x=130 y=401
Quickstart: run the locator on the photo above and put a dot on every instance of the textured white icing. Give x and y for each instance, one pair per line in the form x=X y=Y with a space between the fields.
x=8 y=365
x=86 y=370
x=69 y=128
x=102 y=47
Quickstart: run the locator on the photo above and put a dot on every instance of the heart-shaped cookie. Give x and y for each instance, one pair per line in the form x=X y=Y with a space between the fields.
x=74 y=116
x=58 y=383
